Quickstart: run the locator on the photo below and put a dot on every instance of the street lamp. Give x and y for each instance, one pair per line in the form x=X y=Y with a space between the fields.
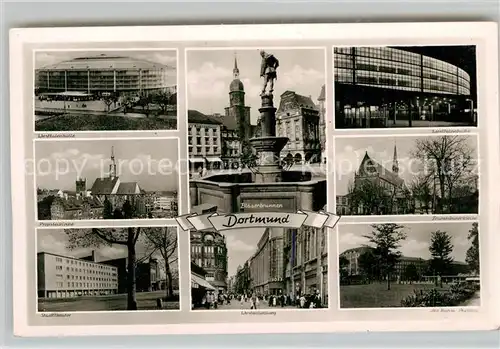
x=473 y=115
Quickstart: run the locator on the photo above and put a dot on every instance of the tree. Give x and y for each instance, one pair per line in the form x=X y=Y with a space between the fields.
x=371 y=196
x=411 y=272
x=164 y=240
x=107 y=212
x=441 y=249
x=422 y=192
x=368 y=265
x=163 y=100
x=343 y=268
x=386 y=239
x=128 y=210
x=145 y=103
x=448 y=159
x=95 y=237
x=472 y=256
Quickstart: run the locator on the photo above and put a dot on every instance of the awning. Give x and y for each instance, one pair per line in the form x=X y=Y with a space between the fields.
x=194 y=160
x=201 y=282
x=213 y=159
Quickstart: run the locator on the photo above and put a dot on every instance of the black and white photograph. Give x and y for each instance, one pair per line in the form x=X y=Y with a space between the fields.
x=407 y=175
x=408 y=265
x=92 y=90
x=259 y=268
x=88 y=179
x=414 y=86
x=257 y=144
x=107 y=269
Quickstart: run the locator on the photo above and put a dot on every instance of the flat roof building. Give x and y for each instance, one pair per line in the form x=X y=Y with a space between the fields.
x=63 y=277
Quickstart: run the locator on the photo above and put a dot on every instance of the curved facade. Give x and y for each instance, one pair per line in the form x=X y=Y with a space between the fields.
x=209 y=251
x=400 y=70
x=103 y=73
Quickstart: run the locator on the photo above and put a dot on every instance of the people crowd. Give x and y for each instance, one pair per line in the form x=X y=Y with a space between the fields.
x=213 y=299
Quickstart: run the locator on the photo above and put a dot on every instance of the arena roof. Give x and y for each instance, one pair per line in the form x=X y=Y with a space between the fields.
x=104 y=62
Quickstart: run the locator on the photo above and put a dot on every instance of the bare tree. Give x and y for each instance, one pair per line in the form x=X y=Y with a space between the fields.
x=96 y=237
x=164 y=240
x=446 y=158
x=422 y=192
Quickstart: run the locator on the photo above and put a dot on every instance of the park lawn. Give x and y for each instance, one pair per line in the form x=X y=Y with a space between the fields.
x=111 y=122
x=145 y=301
x=376 y=295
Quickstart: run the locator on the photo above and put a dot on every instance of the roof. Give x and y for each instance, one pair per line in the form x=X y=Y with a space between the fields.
x=236 y=85
x=196 y=117
x=104 y=62
x=128 y=188
x=73 y=203
x=382 y=171
x=301 y=101
x=360 y=249
x=103 y=186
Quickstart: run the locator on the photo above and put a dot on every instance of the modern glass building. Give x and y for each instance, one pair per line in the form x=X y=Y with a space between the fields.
x=97 y=74
x=384 y=86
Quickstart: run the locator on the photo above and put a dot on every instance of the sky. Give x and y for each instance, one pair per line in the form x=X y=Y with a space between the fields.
x=417 y=240
x=349 y=153
x=151 y=163
x=56 y=241
x=166 y=57
x=241 y=245
x=211 y=72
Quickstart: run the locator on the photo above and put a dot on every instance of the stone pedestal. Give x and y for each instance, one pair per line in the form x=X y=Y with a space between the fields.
x=268 y=147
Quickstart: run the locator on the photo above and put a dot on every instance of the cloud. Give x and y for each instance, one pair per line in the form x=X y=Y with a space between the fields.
x=349 y=240
x=51 y=244
x=111 y=252
x=415 y=248
x=299 y=76
x=234 y=244
x=163 y=57
x=209 y=81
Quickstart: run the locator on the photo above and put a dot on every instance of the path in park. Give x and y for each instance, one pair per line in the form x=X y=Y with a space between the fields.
x=475 y=301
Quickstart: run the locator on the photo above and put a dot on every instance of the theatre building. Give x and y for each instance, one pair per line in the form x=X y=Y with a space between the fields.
x=401 y=87
x=64 y=277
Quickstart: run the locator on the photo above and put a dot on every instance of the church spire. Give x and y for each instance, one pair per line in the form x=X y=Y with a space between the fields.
x=395 y=165
x=236 y=71
x=112 y=166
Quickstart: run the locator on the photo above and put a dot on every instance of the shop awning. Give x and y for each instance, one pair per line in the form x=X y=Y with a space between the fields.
x=195 y=160
x=213 y=159
x=201 y=282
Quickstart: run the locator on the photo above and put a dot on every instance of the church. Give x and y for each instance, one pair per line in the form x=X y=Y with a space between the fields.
x=376 y=190
x=91 y=204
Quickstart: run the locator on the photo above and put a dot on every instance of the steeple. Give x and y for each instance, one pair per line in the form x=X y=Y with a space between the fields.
x=395 y=165
x=112 y=166
x=236 y=71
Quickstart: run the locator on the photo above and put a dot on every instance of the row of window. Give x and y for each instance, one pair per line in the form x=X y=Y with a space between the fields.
x=207 y=132
x=207 y=140
x=84 y=264
x=203 y=150
x=61 y=284
x=79 y=277
x=207 y=249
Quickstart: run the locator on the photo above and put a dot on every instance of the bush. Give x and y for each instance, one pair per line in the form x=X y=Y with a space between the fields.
x=457 y=294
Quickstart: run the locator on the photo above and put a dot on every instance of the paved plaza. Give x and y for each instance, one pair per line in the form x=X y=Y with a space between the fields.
x=145 y=301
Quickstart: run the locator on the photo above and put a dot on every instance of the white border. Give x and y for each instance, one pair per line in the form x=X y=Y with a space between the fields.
x=413 y=309
x=380 y=218
x=36 y=51
x=257 y=48
x=129 y=312
x=111 y=221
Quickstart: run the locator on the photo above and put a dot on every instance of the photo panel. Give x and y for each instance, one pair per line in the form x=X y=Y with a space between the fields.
x=257 y=145
x=90 y=269
x=105 y=90
x=408 y=265
x=405 y=86
x=407 y=175
x=107 y=179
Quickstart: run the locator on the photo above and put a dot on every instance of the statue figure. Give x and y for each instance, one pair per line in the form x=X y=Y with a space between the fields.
x=268 y=71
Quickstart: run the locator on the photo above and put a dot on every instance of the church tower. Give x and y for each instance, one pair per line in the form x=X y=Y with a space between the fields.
x=237 y=115
x=395 y=165
x=112 y=166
